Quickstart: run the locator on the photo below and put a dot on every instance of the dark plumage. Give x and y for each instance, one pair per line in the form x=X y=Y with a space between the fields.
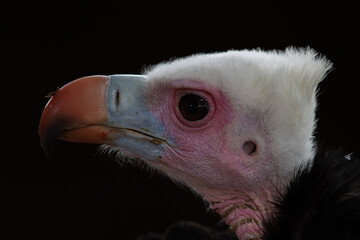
x=321 y=202
x=190 y=231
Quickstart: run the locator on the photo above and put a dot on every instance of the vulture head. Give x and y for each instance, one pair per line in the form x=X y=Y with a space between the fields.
x=232 y=126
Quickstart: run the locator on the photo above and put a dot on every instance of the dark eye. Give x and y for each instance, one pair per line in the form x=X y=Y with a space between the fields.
x=193 y=107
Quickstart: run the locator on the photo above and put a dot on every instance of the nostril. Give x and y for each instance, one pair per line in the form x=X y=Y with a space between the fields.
x=117 y=99
x=249 y=148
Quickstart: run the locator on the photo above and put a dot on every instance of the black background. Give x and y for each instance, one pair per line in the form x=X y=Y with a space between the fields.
x=84 y=195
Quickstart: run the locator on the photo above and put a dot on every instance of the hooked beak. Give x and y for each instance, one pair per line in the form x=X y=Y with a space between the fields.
x=104 y=110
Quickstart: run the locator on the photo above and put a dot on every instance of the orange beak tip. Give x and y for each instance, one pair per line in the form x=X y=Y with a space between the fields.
x=79 y=103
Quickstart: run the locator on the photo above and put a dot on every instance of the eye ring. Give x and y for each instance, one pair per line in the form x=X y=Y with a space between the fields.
x=194 y=108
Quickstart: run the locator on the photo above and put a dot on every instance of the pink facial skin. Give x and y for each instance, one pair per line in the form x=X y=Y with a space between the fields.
x=209 y=155
x=211 y=150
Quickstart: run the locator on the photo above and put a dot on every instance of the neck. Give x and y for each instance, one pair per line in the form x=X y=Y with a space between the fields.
x=244 y=212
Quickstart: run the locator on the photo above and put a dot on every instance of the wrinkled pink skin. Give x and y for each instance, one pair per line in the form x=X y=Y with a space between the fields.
x=242 y=211
x=209 y=155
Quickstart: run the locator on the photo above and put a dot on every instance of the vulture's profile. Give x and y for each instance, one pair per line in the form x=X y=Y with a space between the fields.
x=236 y=127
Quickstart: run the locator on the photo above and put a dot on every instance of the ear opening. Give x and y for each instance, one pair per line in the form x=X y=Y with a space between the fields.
x=249 y=147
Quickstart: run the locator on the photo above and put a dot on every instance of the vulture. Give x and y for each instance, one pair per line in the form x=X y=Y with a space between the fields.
x=236 y=127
